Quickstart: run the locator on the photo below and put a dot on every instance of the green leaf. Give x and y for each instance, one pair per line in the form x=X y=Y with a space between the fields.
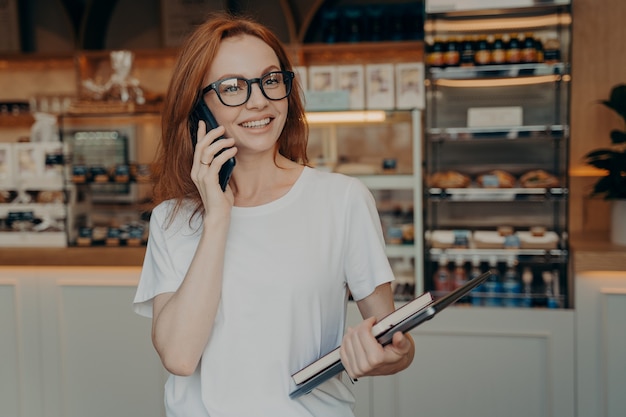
x=617 y=100
x=617 y=136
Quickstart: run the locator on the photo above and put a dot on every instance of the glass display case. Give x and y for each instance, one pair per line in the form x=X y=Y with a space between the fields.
x=108 y=166
x=382 y=149
x=496 y=154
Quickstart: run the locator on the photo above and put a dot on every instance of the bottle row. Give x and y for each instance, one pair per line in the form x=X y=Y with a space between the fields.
x=508 y=286
x=496 y=49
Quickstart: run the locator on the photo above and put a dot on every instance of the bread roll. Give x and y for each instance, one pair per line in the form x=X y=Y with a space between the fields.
x=496 y=178
x=449 y=179
x=538 y=178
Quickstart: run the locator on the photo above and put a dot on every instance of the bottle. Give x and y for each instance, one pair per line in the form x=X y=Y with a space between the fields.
x=493 y=286
x=476 y=298
x=451 y=55
x=554 y=300
x=540 y=52
x=511 y=285
x=548 y=280
x=441 y=280
x=498 y=52
x=467 y=52
x=529 y=49
x=552 y=51
x=482 y=55
x=459 y=276
x=527 y=292
x=513 y=49
x=435 y=56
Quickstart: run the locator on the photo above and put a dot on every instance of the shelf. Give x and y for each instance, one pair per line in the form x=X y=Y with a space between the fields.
x=496 y=194
x=54 y=210
x=36 y=183
x=544 y=132
x=502 y=255
x=513 y=71
x=33 y=239
x=400 y=251
x=388 y=182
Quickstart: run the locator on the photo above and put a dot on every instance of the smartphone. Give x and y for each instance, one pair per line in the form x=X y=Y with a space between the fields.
x=201 y=112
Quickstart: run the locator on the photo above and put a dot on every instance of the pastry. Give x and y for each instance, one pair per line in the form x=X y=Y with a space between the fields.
x=449 y=179
x=538 y=178
x=496 y=178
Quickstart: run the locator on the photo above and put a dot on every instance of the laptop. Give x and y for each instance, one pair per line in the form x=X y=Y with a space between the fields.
x=330 y=364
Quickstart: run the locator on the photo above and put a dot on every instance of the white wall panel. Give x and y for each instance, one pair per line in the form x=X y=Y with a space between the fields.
x=601 y=344
x=9 y=373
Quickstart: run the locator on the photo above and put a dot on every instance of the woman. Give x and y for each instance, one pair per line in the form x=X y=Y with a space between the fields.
x=248 y=285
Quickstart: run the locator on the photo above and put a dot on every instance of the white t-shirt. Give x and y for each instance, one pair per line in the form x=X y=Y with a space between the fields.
x=287 y=269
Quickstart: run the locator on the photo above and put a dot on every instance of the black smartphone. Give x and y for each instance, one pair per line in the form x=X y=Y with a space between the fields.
x=201 y=112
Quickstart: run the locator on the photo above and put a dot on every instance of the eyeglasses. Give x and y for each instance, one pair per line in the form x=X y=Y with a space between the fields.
x=235 y=91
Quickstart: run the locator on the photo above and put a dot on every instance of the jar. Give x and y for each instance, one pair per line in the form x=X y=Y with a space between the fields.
x=435 y=56
x=467 y=52
x=513 y=49
x=529 y=50
x=498 y=52
x=452 y=56
x=482 y=56
x=552 y=51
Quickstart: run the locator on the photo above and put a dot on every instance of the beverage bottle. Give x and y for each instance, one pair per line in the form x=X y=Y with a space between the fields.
x=459 y=276
x=553 y=296
x=451 y=55
x=540 y=51
x=498 y=51
x=482 y=54
x=476 y=298
x=511 y=285
x=513 y=49
x=467 y=52
x=441 y=280
x=552 y=51
x=493 y=286
x=529 y=48
x=527 y=280
x=435 y=56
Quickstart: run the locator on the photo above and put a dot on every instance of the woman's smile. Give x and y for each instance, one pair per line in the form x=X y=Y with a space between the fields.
x=255 y=124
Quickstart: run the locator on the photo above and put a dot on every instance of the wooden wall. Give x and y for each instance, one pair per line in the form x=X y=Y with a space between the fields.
x=598 y=63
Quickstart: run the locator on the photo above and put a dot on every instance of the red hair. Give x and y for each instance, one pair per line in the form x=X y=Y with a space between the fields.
x=172 y=168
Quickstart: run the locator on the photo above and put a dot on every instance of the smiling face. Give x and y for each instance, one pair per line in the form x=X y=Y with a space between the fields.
x=256 y=124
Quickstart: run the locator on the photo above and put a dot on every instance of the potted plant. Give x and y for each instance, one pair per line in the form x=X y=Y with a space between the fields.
x=612 y=186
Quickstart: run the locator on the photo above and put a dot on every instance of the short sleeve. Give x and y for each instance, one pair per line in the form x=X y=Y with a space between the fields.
x=366 y=262
x=158 y=274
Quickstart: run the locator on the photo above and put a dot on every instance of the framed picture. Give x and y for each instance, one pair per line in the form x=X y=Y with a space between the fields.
x=322 y=78
x=350 y=78
x=379 y=86
x=6 y=169
x=410 y=85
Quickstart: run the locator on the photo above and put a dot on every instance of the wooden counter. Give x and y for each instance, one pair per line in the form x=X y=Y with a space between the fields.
x=74 y=256
x=594 y=252
x=590 y=252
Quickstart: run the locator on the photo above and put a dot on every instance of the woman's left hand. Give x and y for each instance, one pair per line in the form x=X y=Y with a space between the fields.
x=362 y=355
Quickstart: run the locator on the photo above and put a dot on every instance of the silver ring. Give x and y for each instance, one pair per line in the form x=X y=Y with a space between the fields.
x=204 y=163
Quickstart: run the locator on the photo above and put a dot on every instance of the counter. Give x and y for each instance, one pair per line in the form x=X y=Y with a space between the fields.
x=73 y=256
x=594 y=252
x=591 y=252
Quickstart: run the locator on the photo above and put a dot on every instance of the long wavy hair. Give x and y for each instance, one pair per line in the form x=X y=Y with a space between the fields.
x=172 y=167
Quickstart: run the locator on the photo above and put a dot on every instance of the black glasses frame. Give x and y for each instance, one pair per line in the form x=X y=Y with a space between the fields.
x=288 y=77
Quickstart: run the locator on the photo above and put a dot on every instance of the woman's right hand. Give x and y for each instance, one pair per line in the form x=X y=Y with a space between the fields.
x=206 y=167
